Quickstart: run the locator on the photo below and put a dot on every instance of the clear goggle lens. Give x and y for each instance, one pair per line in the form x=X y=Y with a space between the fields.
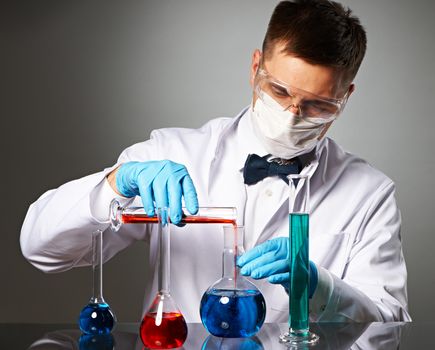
x=282 y=97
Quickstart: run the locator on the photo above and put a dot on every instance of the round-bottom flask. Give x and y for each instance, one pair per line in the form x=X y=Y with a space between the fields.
x=163 y=326
x=97 y=317
x=232 y=307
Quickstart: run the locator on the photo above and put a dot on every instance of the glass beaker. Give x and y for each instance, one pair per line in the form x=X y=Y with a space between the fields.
x=137 y=215
x=299 y=328
x=232 y=307
x=163 y=326
x=97 y=317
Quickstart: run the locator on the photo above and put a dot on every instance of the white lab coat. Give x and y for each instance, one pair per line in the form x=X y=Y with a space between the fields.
x=354 y=225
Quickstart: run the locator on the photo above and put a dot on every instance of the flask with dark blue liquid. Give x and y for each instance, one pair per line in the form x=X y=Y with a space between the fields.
x=233 y=307
x=97 y=317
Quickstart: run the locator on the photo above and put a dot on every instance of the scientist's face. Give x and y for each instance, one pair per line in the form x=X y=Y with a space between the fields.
x=322 y=81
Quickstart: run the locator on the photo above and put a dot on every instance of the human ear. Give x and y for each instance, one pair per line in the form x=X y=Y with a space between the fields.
x=350 y=90
x=255 y=64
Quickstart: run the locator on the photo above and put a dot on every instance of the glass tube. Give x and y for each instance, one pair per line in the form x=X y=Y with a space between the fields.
x=163 y=326
x=97 y=317
x=299 y=331
x=137 y=215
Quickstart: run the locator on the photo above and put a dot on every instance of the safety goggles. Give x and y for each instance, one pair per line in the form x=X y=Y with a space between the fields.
x=281 y=96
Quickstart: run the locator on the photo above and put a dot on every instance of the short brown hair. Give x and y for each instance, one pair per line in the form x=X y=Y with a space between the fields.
x=318 y=31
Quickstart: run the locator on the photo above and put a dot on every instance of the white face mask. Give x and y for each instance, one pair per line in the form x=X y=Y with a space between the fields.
x=283 y=134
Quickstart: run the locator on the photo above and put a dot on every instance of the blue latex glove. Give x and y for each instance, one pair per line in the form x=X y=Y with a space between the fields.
x=271 y=259
x=163 y=182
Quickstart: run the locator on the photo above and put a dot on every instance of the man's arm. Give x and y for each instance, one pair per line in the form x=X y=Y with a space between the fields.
x=373 y=286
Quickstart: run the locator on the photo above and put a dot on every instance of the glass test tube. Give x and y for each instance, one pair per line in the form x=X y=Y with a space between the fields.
x=137 y=215
x=299 y=332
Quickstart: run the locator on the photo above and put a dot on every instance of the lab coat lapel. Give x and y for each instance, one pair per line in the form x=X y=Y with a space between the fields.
x=225 y=181
x=275 y=224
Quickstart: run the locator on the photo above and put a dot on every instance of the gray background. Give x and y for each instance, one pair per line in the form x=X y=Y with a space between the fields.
x=82 y=80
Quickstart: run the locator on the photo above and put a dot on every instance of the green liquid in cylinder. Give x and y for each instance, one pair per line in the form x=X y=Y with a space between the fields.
x=299 y=277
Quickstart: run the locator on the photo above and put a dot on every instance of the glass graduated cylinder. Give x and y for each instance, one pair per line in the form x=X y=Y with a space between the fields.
x=299 y=265
x=232 y=307
x=137 y=215
x=163 y=326
x=299 y=334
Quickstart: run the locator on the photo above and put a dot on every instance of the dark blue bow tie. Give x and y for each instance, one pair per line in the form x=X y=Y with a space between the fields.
x=257 y=168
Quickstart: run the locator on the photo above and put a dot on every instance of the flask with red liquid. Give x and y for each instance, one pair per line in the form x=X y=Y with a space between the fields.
x=163 y=326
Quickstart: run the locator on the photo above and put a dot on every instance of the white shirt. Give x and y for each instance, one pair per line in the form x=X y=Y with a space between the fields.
x=354 y=224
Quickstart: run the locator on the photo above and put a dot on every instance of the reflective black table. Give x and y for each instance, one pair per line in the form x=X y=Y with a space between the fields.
x=334 y=336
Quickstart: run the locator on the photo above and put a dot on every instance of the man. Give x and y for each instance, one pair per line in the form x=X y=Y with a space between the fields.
x=301 y=81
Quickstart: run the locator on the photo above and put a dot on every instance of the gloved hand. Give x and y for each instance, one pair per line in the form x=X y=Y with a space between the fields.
x=271 y=259
x=163 y=182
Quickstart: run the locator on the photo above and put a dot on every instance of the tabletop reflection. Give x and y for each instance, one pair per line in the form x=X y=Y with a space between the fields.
x=337 y=336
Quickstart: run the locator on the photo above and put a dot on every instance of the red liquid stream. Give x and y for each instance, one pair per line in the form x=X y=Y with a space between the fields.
x=236 y=253
x=171 y=333
x=145 y=219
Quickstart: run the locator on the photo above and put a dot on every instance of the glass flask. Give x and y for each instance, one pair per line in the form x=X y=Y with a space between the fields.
x=97 y=317
x=232 y=307
x=299 y=334
x=163 y=326
x=137 y=215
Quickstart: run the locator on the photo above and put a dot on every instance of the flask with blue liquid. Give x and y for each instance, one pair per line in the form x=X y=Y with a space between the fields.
x=232 y=307
x=97 y=317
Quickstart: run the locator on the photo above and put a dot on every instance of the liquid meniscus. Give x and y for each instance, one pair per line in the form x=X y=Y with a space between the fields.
x=233 y=313
x=168 y=333
x=96 y=318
